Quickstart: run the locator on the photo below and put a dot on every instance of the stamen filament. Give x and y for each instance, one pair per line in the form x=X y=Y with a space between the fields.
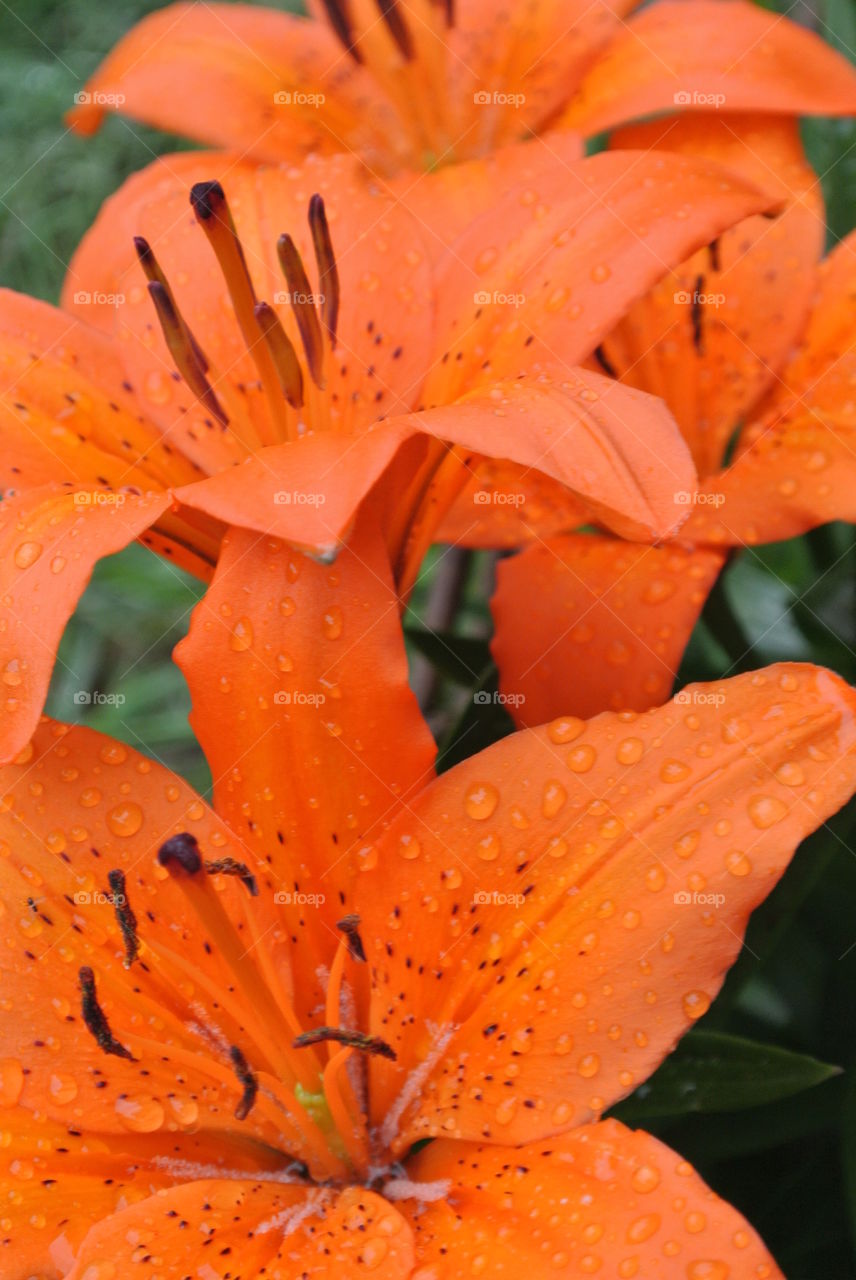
x=397 y=28
x=125 y=917
x=328 y=272
x=282 y=353
x=338 y=1093
x=180 y=855
x=340 y=20
x=180 y=348
x=155 y=275
x=303 y=306
x=209 y=204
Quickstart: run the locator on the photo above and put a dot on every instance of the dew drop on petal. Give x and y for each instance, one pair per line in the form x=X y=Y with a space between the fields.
x=27 y=553
x=143 y=1114
x=125 y=819
x=481 y=800
x=766 y=811
x=242 y=635
x=695 y=1004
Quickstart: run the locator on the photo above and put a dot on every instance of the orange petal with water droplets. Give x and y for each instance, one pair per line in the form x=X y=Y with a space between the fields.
x=586 y=624
x=550 y=269
x=272 y=85
x=57 y=1183
x=51 y=539
x=306 y=491
x=504 y=505
x=326 y=740
x=264 y=1228
x=639 y=1210
x=705 y=55
x=617 y=449
x=76 y=806
x=548 y=918
x=713 y=334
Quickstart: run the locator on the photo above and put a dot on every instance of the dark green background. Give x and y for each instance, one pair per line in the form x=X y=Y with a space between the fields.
x=772 y=1131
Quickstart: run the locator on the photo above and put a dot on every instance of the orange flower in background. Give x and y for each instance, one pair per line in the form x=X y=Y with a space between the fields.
x=751 y=339
x=414 y=83
x=225 y=1029
x=216 y=400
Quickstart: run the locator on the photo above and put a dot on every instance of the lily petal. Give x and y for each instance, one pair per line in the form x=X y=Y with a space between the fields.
x=177 y=67
x=306 y=491
x=631 y=1195
x=606 y=624
x=310 y=774
x=50 y=540
x=550 y=270
x=504 y=505
x=712 y=335
x=267 y=1228
x=708 y=55
x=78 y=806
x=616 y=448
x=547 y=919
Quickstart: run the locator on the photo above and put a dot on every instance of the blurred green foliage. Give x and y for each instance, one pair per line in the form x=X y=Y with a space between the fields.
x=753 y=1097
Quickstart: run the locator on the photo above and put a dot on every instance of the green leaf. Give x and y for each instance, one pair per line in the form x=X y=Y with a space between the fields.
x=711 y=1071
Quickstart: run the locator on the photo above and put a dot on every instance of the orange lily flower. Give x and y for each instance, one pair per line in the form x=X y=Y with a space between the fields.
x=414 y=83
x=225 y=1029
x=217 y=402
x=752 y=339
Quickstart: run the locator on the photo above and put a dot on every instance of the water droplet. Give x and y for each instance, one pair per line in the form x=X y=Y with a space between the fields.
x=57 y=564
x=143 y=1114
x=686 y=845
x=242 y=635
x=630 y=750
x=737 y=863
x=581 y=758
x=655 y=878
x=565 y=729
x=333 y=623
x=708 y=1269
x=409 y=847
x=125 y=819
x=489 y=848
x=12 y=673
x=645 y=1179
x=481 y=800
x=644 y=1228
x=588 y=1065
x=27 y=553
x=766 y=811
x=673 y=771
x=62 y=1088
x=695 y=1004
x=113 y=753
x=554 y=798
x=373 y=1252
x=367 y=857
x=790 y=774
x=90 y=797
x=11 y=1081
x=601 y=273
